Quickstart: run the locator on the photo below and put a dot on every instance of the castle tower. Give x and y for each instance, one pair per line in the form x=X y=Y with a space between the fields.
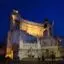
x=20 y=46
x=48 y=27
x=13 y=32
x=15 y=20
x=9 y=50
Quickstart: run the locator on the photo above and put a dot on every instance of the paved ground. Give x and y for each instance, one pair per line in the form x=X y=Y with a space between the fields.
x=9 y=61
x=39 y=62
x=32 y=62
x=46 y=62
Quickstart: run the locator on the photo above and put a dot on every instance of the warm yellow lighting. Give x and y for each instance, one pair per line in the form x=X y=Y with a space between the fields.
x=32 y=28
x=14 y=17
x=9 y=53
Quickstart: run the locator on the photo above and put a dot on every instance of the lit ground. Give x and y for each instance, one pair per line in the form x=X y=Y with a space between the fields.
x=36 y=61
x=40 y=62
x=31 y=61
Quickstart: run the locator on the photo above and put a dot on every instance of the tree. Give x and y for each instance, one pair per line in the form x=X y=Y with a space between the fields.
x=43 y=58
x=47 y=53
x=52 y=56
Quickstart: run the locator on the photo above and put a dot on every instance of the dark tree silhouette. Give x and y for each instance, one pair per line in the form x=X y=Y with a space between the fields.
x=47 y=53
x=43 y=58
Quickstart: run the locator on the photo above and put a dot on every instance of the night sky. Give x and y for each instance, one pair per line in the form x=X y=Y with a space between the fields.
x=34 y=10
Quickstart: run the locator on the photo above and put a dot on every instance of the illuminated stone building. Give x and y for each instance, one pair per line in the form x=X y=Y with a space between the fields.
x=30 y=39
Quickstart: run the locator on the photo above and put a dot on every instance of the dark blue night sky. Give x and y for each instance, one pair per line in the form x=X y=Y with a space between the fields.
x=35 y=10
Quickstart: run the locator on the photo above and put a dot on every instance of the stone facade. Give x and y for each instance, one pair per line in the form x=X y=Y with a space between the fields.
x=28 y=40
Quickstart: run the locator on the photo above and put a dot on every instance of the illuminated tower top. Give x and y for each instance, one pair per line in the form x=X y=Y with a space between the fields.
x=32 y=28
x=15 y=22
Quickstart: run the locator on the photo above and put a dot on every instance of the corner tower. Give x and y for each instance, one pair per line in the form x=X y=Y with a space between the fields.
x=48 y=28
x=15 y=20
